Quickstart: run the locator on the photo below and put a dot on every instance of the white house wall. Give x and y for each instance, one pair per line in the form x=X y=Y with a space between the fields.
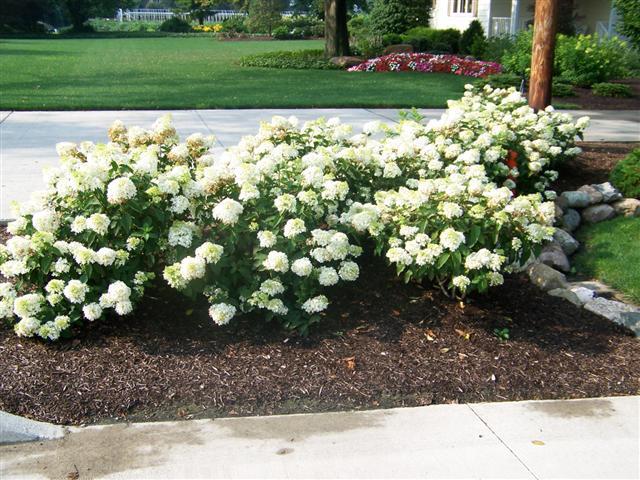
x=441 y=19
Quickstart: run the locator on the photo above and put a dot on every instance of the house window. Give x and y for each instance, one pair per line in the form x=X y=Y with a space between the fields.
x=462 y=7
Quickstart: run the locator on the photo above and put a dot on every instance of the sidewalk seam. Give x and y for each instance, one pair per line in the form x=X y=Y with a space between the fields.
x=503 y=443
x=3 y=120
x=394 y=120
x=206 y=125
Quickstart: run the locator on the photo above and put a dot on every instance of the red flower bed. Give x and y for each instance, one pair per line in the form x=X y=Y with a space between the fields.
x=427 y=63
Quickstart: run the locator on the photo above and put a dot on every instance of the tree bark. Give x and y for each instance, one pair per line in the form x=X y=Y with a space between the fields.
x=544 y=41
x=335 y=28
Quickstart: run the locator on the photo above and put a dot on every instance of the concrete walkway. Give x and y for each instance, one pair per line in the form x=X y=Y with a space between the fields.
x=28 y=139
x=593 y=438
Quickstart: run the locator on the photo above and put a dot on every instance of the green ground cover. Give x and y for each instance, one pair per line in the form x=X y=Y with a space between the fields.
x=193 y=72
x=610 y=253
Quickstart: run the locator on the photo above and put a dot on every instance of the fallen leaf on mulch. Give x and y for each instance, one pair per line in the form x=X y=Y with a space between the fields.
x=351 y=363
x=463 y=334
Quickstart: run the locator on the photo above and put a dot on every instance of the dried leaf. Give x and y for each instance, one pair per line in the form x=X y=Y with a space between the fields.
x=445 y=349
x=189 y=312
x=350 y=362
x=537 y=442
x=463 y=334
x=395 y=313
x=431 y=336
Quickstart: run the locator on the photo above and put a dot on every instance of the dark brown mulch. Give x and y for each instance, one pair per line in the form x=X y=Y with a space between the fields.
x=593 y=165
x=382 y=344
x=586 y=100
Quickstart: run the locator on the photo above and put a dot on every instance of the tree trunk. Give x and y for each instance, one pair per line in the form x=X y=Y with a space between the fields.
x=544 y=41
x=336 y=36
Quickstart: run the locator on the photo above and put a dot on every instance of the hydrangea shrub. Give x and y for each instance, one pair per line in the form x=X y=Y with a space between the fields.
x=275 y=221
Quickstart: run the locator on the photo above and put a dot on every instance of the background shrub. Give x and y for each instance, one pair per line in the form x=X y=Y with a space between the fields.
x=626 y=175
x=175 y=24
x=398 y=16
x=235 y=25
x=495 y=48
x=629 y=24
x=562 y=90
x=502 y=80
x=425 y=39
x=300 y=60
x=473 y=40
x=612 y=90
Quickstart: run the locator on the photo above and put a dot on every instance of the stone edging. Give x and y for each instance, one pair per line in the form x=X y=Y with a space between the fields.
x=16 y=429
x=589 y=204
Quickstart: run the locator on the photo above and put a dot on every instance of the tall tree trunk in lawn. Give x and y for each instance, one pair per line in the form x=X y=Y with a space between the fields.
x=336 y=36
x=544 y=41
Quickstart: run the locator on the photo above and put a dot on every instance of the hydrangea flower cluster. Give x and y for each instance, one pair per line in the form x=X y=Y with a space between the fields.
x=428 y=63
x=273 y=223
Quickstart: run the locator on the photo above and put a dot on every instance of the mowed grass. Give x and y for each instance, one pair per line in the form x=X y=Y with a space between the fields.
x=611 y=253
x=193 y=72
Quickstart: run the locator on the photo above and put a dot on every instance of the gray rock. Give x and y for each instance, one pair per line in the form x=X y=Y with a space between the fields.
x=561 y=202
x=346 y=61
x=399 y=48
x=598 y=213
x=546 y=277
x=615 y=311
x=629 y=207
x=566 y=241
x=584 y=294
x=566 y=294
x=553 y=255
x=631 y=320
x=558 y=213
x=570 y=220
x=576 y=199
x=598 y=288
x=608 y=191
x=595 y=196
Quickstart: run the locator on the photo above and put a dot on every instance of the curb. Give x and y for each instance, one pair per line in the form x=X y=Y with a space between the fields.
x=16 y=429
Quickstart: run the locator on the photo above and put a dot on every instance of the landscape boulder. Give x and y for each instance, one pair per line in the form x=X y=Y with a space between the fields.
x=629 y=207
x=566 y=294
x=553 y=255
x=346 y=62
x=583 y=294
x=598 y=213
x=618 y=312
x=546 y=277
x=576 y=199
x=566 y=241
x=595 y=196
x=608 y=191
x=570 y=220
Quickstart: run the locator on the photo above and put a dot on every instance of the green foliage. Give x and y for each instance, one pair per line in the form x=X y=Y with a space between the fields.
x=176 y=25
x=626 y=175
x=562 y=90
x=391 y=39
x=582 y=60
x=425 y=39
x=502 y=333
x=235 y=25
x=297 y=60
x=264 y=15
x=473 y=40
x=198 y=9
x=495 y=48
x=629 y=23
x=502 y=80
x=103 y=25
x=80 y=11
x=610 y=254
x=398 y=16
x=611 y=90
x=296 y=28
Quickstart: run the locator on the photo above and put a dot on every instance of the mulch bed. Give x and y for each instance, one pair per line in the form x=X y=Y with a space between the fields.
x=585 y=99
x=381 y=344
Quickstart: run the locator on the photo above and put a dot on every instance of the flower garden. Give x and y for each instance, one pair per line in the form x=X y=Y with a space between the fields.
x=276 y=220
x=429 y=63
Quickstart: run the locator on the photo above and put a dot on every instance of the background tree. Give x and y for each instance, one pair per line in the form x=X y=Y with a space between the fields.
x=629 y=23
x=25 y=15
x=336 y=35
x=79 y=11
x=398 y=16
x=200 y=9
x=265 y=15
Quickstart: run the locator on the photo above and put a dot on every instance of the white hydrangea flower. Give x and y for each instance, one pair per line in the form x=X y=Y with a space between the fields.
x=461 y=282
x=27 y=327
x=222 y=313
x=451 y=239
x=302 y=267
x=99 y=223
x=210 y=252
x=328 y=276
x=75 y=291
x=294 y=227
x=349 y=271
x=192 y=268
x=45 y=221
x=228 y=211
x=120 y=190
x=106 y=256
x=28 y=305
x=267 y=239
x=285 y=203
x=92 y=311
x=316 y=304
x=272 y=287
x=276 y=261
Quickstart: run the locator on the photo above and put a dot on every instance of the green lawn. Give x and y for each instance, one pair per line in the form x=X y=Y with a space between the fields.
x=193 y=72
x=610 y=253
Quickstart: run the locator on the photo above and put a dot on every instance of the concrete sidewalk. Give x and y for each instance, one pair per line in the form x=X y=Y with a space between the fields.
x=592 y=438
x=28 y=139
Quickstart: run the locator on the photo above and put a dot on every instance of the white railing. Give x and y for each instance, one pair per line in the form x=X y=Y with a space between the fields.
x=602 y=30
x=162 y=14
x=500 y=26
